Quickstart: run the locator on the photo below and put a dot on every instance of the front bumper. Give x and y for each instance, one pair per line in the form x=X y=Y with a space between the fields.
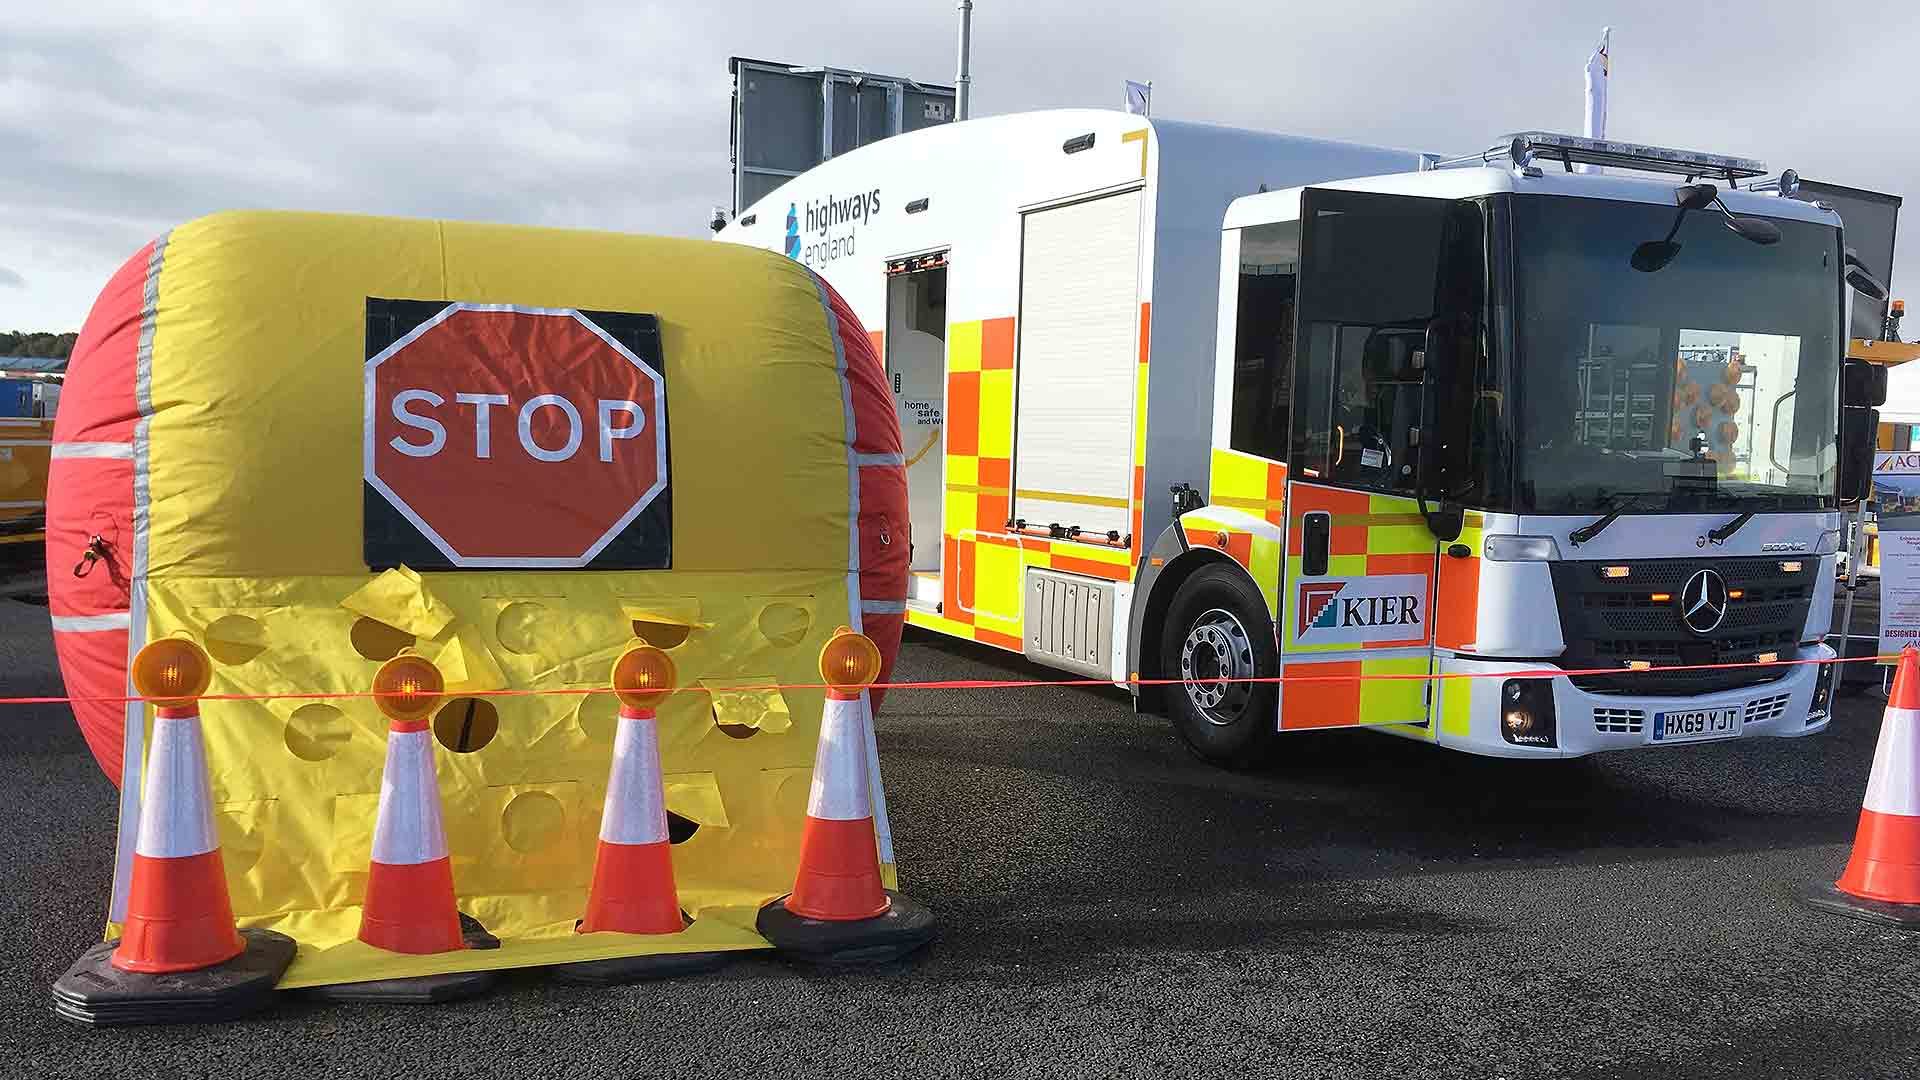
x=1469 y=709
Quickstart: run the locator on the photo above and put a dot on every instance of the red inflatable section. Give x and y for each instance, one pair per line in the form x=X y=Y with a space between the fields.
x=89 y=496
x=885 y=543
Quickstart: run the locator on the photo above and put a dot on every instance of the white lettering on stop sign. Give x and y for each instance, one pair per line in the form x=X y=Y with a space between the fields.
x=606 y=409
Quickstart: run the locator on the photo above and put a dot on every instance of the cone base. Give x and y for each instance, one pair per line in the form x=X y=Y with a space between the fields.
x=630 y=969
x=418 y=990
x=95 y=993
x=1825 y=896
x=1885 y=863
x=902 y=929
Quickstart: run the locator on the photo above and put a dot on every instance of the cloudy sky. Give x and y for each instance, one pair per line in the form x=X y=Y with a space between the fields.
x=118 y=120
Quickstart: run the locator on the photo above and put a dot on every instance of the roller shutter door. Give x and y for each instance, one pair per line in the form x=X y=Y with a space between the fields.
x=1077 y=363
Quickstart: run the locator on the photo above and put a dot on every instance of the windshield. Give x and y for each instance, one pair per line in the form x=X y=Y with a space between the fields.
x=1707 y=383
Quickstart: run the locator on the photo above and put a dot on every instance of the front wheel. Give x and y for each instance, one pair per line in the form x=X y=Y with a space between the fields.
x=1217 y=635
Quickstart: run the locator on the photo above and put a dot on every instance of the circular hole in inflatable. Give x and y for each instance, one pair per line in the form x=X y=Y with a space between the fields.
x=518 y=627
x=466 y=724
x=661 y=635
x=532 y=821
x=785 y=624
x=376 y=640
x=598 y=715
x=241 y=841
x=679 y=829
x=317 y=731
x=235 y=639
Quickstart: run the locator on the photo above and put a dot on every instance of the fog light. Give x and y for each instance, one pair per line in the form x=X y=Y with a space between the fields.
x=1822 y=694
x=1526 y=714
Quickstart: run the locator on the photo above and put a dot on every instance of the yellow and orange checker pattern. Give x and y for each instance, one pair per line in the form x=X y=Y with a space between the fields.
x=983 y=562
x=1372 y=534
x=251 y=464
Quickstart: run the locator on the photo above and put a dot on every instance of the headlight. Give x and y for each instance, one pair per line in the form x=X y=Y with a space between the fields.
x=1828 y=543
x=1520 y=549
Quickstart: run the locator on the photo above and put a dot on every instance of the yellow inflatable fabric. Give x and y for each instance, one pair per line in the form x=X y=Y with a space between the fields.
x=254 y=544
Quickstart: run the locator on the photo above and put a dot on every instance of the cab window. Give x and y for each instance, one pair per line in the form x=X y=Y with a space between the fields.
x=1263 y=339
x=1369 y=270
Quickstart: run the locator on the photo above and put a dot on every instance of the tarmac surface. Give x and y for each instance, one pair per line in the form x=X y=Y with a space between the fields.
x=1110 y=907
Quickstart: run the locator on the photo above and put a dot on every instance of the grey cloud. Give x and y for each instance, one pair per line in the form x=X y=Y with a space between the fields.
x=10 y=279
x=120 y=124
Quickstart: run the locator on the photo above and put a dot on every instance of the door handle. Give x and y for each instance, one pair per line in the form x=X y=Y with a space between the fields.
x=1316 y=538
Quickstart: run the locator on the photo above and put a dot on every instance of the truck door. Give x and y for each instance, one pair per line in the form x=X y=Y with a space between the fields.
x=1357 y=591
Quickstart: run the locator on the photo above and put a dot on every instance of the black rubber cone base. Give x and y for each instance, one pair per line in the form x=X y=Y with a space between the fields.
x=422 y=989
x=1825 y=896
x=628 y=969
x=905 y=927
x=95 y=993
x=418 y=990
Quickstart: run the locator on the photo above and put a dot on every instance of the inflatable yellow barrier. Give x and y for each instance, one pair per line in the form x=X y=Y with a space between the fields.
x=312 y=441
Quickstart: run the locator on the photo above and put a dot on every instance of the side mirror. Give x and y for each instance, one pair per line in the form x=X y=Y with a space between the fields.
x=1446 y=520
x=1863 y=384
x=1859 y=429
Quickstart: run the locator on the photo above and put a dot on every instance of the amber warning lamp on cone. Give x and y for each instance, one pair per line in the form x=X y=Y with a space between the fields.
x=407 y=688
x=171 y=672
x=643 y=677
x=849 y=662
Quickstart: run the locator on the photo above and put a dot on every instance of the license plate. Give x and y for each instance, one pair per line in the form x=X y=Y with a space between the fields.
x=1696 y=724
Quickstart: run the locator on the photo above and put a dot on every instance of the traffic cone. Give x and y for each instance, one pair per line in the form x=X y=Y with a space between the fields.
x=633 y=889
x=839 y=877
x=180 y=956
x=1882 y=880
x=839 y=911
x=409 y=905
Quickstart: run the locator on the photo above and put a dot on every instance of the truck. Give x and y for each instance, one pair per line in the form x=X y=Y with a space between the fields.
x=1534 y=453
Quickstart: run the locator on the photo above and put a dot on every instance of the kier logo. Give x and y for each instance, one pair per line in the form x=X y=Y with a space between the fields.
x=1376 y=608
x=1316 y=604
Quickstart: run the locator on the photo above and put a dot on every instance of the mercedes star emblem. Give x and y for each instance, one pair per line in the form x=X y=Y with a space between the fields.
x=1703 y=603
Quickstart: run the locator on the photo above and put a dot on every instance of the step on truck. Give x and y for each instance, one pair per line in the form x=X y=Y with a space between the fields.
x=1559 y=423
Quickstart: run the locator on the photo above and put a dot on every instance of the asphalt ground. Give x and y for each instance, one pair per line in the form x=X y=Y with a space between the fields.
x=1111 y=907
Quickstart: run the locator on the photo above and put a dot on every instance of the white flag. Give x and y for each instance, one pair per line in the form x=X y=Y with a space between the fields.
x=1597 y=66
x=1139 y=98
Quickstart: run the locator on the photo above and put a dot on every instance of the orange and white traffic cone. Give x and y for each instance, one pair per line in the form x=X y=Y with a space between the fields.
x=633 y=889
x=179 y=915
x=409 y=905
x=1882 y=878
x=179 y=921
x=839 y=911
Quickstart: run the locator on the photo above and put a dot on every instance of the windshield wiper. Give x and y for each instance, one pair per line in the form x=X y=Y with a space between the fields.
x=1721 y=534
x=1620 y=505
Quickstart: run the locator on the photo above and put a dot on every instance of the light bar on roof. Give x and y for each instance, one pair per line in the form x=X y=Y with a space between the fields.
x=1527 y=146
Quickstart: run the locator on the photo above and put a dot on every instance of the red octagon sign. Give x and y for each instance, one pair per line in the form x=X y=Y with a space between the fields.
x=515 y=437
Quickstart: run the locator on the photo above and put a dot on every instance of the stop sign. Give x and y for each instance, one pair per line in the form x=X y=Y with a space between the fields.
x=515 y=437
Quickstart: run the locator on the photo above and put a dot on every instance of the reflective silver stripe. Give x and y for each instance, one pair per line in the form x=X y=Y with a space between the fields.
x=879 y=459
x=27 y=505
x=26 y=442
x=884 y=607
x=133 y=740
x=883 y=828
x=92 y=624
x=121 y=450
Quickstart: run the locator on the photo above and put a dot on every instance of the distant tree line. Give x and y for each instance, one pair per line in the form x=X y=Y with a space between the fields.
x=23 y=343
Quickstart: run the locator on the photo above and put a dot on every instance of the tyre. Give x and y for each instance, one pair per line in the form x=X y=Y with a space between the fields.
x=1217 y=631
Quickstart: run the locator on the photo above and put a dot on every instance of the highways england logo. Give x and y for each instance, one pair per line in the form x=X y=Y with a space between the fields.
x=793 y=231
